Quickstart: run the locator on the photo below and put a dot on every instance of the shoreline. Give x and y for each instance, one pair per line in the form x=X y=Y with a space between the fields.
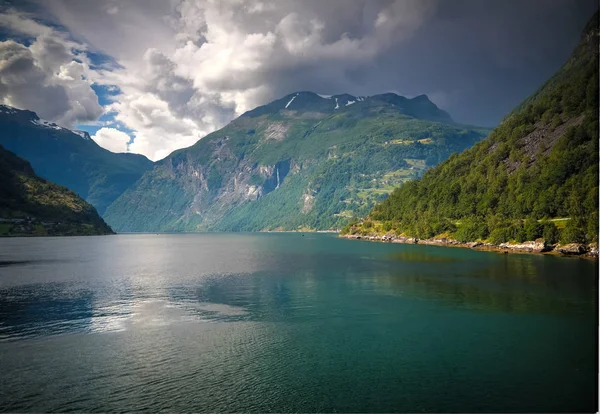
x=529 y=247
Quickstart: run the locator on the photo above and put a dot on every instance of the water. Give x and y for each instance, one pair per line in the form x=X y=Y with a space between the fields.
x=291 y=323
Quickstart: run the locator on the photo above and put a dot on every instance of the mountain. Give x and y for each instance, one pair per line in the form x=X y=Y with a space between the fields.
x=30 y=205
x=70 y=158
x=418 y=107
x=305 y=161
x=537 y=170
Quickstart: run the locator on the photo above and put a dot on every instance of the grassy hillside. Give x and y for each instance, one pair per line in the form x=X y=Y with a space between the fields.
x=30 y=205
x=70 y=158
x=300 y=162
x=539 y=168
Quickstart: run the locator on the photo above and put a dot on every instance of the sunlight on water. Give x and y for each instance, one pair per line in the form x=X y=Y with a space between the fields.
x=258 y=322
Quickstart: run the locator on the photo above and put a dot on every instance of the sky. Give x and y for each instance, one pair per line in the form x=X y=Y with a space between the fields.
x=153 y=76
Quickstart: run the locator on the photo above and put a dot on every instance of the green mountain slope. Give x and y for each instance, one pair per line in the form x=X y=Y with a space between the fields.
x=70 y=158
x=540 y=164
x=303 y=161
x=30 y=205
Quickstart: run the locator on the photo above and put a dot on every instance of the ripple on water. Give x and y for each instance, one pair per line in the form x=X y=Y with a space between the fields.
x=278 y=323
x=55 y=309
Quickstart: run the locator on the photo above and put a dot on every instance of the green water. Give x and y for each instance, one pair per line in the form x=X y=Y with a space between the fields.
x=291 y=323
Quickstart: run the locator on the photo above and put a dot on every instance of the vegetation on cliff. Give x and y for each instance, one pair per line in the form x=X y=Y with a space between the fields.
x=30 y=205
x=303 y=161
x=539 y=165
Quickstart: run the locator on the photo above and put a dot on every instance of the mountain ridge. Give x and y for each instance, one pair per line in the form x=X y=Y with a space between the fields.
x=419 y=106
x=301 y=161
x=70 y=157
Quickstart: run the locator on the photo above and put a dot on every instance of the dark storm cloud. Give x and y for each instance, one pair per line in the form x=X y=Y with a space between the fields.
x=479 y=59
x=185 y=68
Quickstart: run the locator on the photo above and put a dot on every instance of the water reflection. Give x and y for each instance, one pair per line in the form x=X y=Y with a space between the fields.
x=43 y=309
x=283 y=285
x=257 y=322
x=422 y=256
x=503 y=283
x=58 y=308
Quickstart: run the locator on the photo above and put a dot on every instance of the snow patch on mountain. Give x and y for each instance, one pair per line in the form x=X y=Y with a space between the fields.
x=291 y=100
x=45 y=124
x=7 y=109
x=82 y=134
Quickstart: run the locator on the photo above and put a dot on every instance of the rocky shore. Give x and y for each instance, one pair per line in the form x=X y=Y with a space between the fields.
x=538 y=246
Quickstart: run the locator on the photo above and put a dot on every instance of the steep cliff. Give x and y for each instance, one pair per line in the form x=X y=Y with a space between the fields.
x=303 y=161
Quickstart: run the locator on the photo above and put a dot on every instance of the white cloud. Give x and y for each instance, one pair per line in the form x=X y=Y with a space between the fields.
x=45 y=76
x=18 y=22
x=112 y=139
x=187 y=67
x=157 y=130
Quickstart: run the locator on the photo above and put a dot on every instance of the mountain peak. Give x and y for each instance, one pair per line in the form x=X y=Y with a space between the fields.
x=70 y=157
x=24 y=115
x=419 y=107
x=82 y=134
x=421 y=98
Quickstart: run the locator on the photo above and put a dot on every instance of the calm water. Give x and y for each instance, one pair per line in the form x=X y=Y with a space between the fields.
x=284 y=322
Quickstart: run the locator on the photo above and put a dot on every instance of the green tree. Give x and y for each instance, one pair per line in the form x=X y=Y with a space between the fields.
x=573 y=232
x=550 y=232
x=533 y=229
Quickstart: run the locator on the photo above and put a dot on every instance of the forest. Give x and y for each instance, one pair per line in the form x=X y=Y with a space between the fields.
x=535 y=176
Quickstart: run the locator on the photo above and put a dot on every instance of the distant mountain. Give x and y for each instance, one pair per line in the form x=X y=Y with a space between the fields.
x=537 y=169
x=70 y=158
x=30 y=205
x=419 y=107
x=305 y=161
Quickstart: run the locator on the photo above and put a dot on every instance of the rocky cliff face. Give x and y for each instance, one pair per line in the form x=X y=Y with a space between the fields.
x=303 y=161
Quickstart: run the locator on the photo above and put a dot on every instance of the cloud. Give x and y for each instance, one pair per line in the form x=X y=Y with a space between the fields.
x=214 y=62
x=183 y=68
x=157 y=129
x=224 y=63
x=19 y=23
x=112 y=139
x=48 y=76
